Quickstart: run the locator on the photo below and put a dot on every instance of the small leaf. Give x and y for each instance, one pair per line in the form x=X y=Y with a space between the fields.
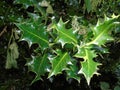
x=72 y=72
x=44 y=3
x=39 y=65
x=88 y=5
x=104 y=86
x=26 y=3
x=34 y=32
x=65 y=35
x=59 y=63
x=12 y=55
x=49 y=9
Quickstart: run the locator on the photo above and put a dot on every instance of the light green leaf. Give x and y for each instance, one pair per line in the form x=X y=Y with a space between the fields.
x=101 y=31
x=39 y=65
x=88 y=66
x=12 y=55
x=34 y=32
x=85 y=51
x=88 y=5
x=59 y=63
x=65 y=35
x=45 y=3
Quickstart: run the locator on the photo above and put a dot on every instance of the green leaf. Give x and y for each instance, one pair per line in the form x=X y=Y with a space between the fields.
x=85 y=51
x=117 y=88
x=88 y=66
x=65 y=35
x=35 y=3
x=88 y=5
x=27 y=3
x=34 y=32
x=72 y=72
x=101 y=31
x=104 y=86
x=59 y=63
x=39 y=65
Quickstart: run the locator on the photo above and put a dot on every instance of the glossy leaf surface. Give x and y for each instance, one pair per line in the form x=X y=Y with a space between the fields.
x=88 y=5
x=34 y=32
x=59 y=63
x=39 y=65
x=101 y=31
x=89 y=67
x=65 y=35
x=72 y=72
x=100 y=37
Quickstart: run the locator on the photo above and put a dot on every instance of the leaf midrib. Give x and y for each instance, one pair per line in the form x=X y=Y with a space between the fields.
x=34 y=34
x=60 y=62
x=93 y=42
x=68 y=36
x=41 y=63
x=87 y=60
x=38 y=37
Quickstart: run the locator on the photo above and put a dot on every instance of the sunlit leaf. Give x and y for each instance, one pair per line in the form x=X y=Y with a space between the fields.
x=26 y=3
x=101 y=36
x=72 y=72
x=49 y=9
x=102 y=30
x=89 y=67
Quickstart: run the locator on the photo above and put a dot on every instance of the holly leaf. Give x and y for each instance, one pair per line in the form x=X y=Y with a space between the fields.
x=39 y=65
x=65 y=35
x=26 y=3
x=88 y=5
x=34 y=32
x=72 y=72
x=59 y=63
x=88 y=66
x=101 y=31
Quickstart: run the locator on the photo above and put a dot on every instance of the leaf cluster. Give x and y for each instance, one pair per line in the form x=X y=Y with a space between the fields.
x=66 y=43
x=54 y=59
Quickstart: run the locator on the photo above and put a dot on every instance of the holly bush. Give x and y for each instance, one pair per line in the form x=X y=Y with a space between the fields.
x=71 y=36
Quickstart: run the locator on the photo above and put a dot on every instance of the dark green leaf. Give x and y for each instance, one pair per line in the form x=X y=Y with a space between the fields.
x=59 y=63
x=34 y=32
x=88 y=5
x=72 y=72
x=39 y=65
x=65 y=35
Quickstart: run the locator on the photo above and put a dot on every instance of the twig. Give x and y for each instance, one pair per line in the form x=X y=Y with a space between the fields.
x=4 y=30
